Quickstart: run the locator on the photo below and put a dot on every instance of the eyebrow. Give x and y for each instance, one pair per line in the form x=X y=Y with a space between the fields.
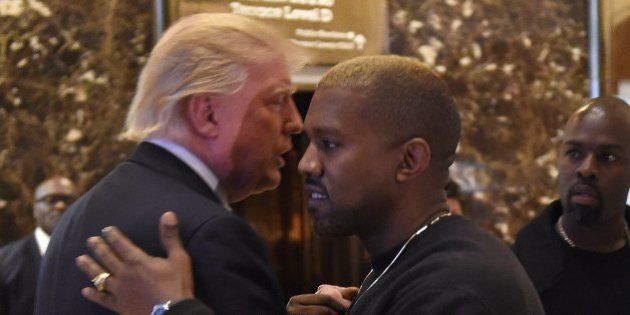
x=319 y=131
x=288 y=89
x=604 y=145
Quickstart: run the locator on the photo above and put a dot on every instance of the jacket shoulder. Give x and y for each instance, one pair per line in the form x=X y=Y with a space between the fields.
x=14 y=254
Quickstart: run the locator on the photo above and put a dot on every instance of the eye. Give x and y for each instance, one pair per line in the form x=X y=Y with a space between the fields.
x=328 y=145
x=573 y=154
x=608 y=157
x=277 y=101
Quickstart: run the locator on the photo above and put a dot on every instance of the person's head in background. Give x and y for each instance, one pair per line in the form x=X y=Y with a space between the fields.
x=594 y=162
x=220 y=86
x=52 y=198
x=452 y=197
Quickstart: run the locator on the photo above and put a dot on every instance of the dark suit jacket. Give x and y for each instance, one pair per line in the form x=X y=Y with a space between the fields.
x=19 y=264
x=231 y=272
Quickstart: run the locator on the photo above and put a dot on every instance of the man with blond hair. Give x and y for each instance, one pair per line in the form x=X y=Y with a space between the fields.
x=213 y=116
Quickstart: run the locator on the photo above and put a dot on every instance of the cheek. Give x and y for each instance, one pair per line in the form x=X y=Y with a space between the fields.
x=260 y=138
x=565 y=173
x=617 y=182
x=39 y=212
x=345 y=182
x=626 y=177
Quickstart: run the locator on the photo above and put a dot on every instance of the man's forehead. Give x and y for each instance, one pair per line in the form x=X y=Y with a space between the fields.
x=317 y=121
x=598 y=139
x=267 y=76
x=324 y=111
x=55 y=186
x=599 y=123
x=281 y=85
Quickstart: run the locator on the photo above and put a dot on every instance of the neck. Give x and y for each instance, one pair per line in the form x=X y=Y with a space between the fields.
x=399 y=228
x=608 y=237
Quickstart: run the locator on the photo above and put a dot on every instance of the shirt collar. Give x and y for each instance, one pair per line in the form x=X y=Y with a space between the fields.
x=195 y=164
x=42 y=240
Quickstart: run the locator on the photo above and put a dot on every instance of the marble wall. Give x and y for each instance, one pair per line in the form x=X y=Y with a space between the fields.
x=517 y=67
x=67 y=73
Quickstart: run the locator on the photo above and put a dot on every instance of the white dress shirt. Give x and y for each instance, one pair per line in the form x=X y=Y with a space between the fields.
x=42 y=239
x=196 y=165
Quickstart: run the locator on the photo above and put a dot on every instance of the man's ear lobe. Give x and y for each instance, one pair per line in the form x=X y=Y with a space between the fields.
x=416 y=156
x=200 y=112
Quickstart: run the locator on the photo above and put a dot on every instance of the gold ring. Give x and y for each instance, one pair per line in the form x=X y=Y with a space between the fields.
x=99 y=281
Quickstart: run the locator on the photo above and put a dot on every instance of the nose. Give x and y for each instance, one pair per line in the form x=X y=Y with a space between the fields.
x=293 y=124
x=588 y=167
x=60 y=206
x=309 y=165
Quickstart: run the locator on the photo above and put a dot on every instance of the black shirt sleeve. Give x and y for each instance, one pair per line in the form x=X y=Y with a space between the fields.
x=439 y=301
x=189 y=307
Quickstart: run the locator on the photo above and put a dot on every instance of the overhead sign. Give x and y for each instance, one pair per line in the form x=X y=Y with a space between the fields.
x=332 y=30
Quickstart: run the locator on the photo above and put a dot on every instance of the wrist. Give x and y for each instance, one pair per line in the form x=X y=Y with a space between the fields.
x=162 y=308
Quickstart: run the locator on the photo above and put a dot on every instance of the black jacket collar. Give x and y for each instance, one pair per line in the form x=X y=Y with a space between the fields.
x=541 y=250
x=162 y=161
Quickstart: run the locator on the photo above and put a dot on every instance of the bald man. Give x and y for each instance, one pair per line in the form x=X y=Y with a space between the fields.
x=577 y=251
x=19 y=261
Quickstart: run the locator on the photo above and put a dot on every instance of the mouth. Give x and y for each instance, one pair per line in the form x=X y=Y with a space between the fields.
x=315 y=196
x=280 y=162
x=584 y=195
x=283 y=157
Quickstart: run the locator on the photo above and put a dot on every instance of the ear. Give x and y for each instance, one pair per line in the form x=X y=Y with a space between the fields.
x=200 y=112
x=416 y=156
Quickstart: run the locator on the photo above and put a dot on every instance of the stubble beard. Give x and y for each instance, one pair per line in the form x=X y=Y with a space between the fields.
x=338 y=222
x=586 y=216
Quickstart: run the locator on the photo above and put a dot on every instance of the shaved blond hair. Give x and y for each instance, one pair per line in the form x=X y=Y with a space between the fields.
x=201 y=53
x=404 y=99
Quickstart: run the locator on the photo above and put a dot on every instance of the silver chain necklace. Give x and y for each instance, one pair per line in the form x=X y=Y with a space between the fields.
x=564 y=234
x=418 y=232
x=568 y=240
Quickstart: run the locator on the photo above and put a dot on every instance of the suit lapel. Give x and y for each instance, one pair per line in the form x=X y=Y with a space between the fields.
x=33 y=250
x=162 y=161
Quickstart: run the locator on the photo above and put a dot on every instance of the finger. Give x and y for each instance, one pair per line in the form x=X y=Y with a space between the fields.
x=122 y=246
x=103 y=299
x=330 y=291
x=336 y=293
x=169 y=234
x=316 y=300
x=310 y=310
x=349 y=293
x=104 y=254
x=89 y=267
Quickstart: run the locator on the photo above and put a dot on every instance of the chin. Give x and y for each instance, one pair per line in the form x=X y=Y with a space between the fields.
x=330 y=226
x=328 y=229
x=267 y=184
x=273 y=183
x=585 y=215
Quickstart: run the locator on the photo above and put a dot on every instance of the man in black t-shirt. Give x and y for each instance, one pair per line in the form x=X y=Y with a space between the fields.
x=577 y=252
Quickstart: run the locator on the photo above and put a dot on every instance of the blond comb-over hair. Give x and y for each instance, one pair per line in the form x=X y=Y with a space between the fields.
x=201 y=53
